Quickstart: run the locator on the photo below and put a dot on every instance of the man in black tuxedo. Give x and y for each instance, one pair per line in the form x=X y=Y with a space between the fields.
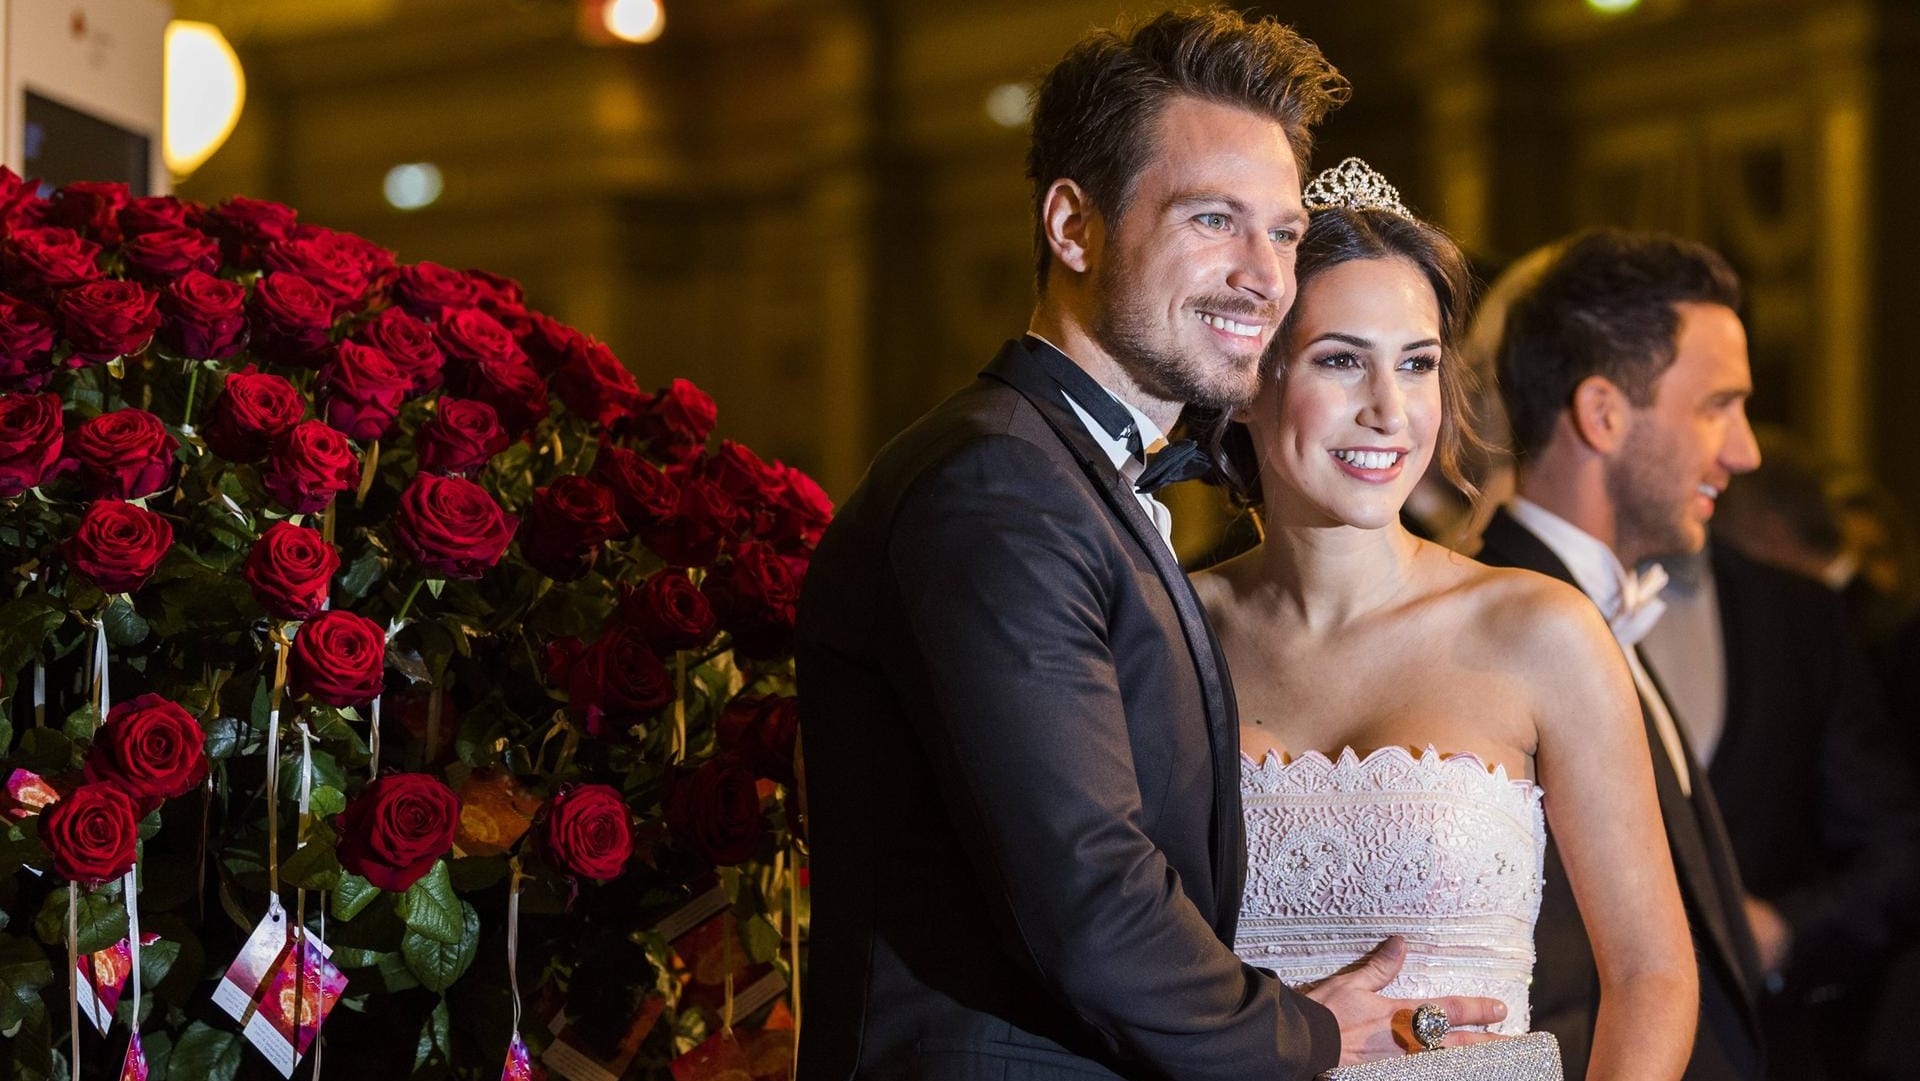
x=1624 y=373
x=1020 y=742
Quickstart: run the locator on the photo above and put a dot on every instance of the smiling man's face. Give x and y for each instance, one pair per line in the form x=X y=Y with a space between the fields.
x=1194 y=278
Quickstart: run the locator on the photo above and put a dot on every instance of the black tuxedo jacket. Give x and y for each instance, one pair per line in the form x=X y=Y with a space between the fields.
x=1566 y=985
x=1022 y=773
x=1818 y=800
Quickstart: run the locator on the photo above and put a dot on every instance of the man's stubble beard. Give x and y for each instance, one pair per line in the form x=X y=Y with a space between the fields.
x=1125 y=330
x=1649 y=519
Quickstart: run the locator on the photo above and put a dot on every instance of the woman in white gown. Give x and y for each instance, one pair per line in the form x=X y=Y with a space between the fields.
x=1407 y=713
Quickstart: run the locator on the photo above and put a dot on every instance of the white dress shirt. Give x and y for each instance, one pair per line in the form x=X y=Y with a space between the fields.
x=1630 y=603
x=1122 y=456
x=1687 y=650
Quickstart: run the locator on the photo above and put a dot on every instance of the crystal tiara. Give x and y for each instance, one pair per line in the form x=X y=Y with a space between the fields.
x=1354 y=185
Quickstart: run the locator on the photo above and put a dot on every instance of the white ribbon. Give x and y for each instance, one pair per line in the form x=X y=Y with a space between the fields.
x=39 y=693
x=513 y=947
x=273 y=812
x=373 y=742
x=131 y=888
x=100 y=667
x=73 y=974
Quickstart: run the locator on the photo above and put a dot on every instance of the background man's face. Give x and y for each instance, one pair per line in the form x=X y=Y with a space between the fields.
x=1193 y=279
x=1684 y=448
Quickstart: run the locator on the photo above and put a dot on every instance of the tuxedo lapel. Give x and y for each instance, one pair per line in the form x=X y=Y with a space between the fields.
x=1018 y=368
x=1701 y=850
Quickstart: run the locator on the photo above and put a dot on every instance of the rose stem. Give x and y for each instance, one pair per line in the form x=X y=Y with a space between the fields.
x=193 y=383
x=408 y=603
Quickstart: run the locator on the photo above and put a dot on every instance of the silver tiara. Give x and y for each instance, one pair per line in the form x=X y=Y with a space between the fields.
x=1354 y=185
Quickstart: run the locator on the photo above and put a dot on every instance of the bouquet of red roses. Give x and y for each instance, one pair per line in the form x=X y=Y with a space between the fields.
x=364 y=591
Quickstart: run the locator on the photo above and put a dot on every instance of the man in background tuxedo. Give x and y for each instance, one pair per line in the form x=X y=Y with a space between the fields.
x=1624 y=374
x=1021 y=747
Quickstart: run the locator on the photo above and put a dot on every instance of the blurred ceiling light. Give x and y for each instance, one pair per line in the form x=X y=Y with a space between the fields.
x=413 y=185
x=1613 y=7
x=636 y=21
x=204 y=90
x=1010 y=105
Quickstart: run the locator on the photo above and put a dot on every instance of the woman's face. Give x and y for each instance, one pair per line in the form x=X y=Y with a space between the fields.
x=1348 y=422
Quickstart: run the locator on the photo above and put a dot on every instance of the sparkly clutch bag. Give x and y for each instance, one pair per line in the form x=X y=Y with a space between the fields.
x=1533 y=1057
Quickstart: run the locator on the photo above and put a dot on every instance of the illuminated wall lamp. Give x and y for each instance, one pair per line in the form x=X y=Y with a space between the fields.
x=204 y=92
x=622 y=22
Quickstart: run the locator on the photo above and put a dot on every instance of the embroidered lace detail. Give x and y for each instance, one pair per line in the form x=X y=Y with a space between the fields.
x=1436 y=848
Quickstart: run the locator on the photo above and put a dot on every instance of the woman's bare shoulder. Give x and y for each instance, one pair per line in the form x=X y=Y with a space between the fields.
x=1537 y=622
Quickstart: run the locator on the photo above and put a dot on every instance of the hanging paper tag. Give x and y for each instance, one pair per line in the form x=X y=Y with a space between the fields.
x=134 y=1066
x=281 y=988
x=519 y=1065
x=565 y=1057
x=102 y=977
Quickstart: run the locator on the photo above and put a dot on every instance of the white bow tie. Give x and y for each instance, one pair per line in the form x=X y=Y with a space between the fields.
x=1640 y=605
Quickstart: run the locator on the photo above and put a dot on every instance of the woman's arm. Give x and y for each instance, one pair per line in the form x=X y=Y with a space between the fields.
x=1595 y=767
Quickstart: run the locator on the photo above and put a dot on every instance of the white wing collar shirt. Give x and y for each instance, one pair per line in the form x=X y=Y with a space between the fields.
x=1631 y=602
x=1130 y=467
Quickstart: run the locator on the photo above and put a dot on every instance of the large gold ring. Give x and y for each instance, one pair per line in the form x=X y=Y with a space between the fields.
x=1430 y=1025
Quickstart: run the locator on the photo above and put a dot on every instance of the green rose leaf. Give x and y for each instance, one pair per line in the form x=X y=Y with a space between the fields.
x=352 y=895
x=25 y=624
x=436 y=1039
x=125 y=627
x=431 y=908
x=156 y=960
x=223 y=737
x=24 y=970
x=205 y=1053
x=103 y=919
x=438 y=964
x=314 y=865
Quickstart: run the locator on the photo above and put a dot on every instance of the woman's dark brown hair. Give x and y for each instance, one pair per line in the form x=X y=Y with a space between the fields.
x=1338 y=235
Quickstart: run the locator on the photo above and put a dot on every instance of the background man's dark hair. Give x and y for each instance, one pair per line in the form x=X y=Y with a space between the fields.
x=1094 y=118
x=1335 y=237
x=1605 y=307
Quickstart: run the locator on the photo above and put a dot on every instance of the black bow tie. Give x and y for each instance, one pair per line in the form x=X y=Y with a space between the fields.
x=1171 y=464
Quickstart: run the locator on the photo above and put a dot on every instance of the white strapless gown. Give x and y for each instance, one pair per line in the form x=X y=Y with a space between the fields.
x=1436 y=848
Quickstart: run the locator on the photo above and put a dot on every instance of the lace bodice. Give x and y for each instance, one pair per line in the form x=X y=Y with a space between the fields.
x=1436 y=848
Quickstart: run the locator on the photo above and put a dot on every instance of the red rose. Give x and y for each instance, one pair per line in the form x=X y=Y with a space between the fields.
x=714 y=812
x=740 y=473
x=245 y=225
x=290 y=320
x=203 y=317
x=803 y=511
x=118 y=545
x=763 y=729
x=515 y=391
x=162 y=256
x=330 y=262
x=547 y=341
x=409 y=344
x=151 y=748
x=338 y=658
x=392 y=833
x=677 y=421
x=91 y=834
x=376 y=262
x=460 y=438
x=254 y=411
x=46 y=260
x=290 y=569
x=360 y=391
x=152 y=213
x=670 y=612
x=587 y=831
x=90 y=207
x=755 y=596
x=643 y=495
x=496 y=295
x=451 y=526
x=425 y=288
x=124 y=454
x=565 y=527
x=27 y=336
x=470 y=337
x=29 y=440
x=694 y=534
x=108 y=319
x=594 y=384
x=310 y=465
x=20 y=203
x=616 y=683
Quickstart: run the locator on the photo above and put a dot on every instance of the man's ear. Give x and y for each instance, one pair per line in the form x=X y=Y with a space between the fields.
x=1070 y=222
x=1600 y=414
